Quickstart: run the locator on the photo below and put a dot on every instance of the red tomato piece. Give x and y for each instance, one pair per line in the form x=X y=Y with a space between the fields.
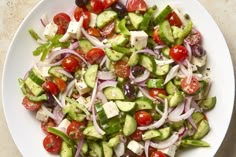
x=94 y=32
x=61 y=84
x=158 y=154
x=94 y=55
x=136 y=5
x=143 y=118
x=70 y=63
x=178 y=53
x=96 y=6
x=49 y=123
x=52 y=143
x=74 y=130
x=79 y=12
x=122 y=69
x=137 y=135
x=62 y=20
x=192 y=87
x=108 y=3
x=156 y=37
x=30 y=105
x=155 y=92
x=61 y=30
x=174 y=19
x=50 y=87
x=194 y=38
x=108 y=30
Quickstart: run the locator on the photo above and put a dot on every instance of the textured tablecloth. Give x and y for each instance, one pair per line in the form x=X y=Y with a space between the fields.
x=13 y=11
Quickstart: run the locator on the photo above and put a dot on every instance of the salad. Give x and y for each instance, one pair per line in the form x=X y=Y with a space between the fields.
x=121 y=80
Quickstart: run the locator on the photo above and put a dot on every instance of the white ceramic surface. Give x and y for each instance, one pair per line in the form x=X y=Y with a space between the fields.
x=26 y=131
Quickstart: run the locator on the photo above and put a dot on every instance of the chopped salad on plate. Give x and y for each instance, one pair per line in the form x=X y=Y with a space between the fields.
x=118 y=79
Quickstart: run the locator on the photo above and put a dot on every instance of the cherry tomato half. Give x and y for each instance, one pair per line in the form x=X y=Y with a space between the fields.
x=50 y=87
x=178 y=53
x=156 y=37
x=137 y=135
x=74 y=130
x=30 y=105
x=96 y=6
x=155 y=92
x=94 y=55
x=61 y=84
x=143 y=118
x=122 y=69
x=158 y=154
x=52 y=143
x=136 y=5
x=62 y=20
x=94 y=32
x=70 y=63
x=49 y=123
x=79 y=12
x=194 y=38
x=108 y=3
x=192 y=87
x=174 y=19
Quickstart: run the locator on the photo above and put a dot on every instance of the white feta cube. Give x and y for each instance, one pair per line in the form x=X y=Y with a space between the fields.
x=138 y=39
x=65 y=37
x=64 y=124
x=42 y=114
x=170 y=151
x=74 y=28
x=135 y=147
x=82 y=87
x=93 y=19
x=50 y=30
x=111 y=109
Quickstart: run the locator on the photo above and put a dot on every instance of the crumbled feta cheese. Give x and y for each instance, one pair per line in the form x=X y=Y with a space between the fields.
x=64 y=124
x=42 y=115
x=93 y=18
x=170 y=151
x=138 y=39
x=136 y=147
x=110 y=109
x=50 y=30
x=82 y=87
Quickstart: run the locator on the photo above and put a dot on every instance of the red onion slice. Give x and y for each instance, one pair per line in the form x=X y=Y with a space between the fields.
x=178 y=110
x=62 y=71
x=74 y=45
x=96 y=126
x=147 y=51
x=120 y=149
x=186 y=44
x=158 y=47
x=172 y=73
x=167 y=143
x=94 y=40
x=142 y=77
x=44 y=20
x=59 y=115
x=146 y=94
x=48 y=113
x=106 y=75
x=164 y=62
x=103 y=61
x=182 y=131
x=160 y=122
x=79 y=147
x=102 y=97
x=68 y=88
x=93 y=97
x=106 y=84
x=190 y=72
x=146 y=147
x=181 y=117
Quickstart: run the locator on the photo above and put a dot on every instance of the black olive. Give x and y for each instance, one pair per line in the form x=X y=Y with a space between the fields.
x=137 y=70
x=129 y=90
x=120 y=9
x=50 y=103
x=81 y=3
x=198 y=51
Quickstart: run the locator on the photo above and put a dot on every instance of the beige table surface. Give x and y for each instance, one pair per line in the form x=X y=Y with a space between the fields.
x=13 y=11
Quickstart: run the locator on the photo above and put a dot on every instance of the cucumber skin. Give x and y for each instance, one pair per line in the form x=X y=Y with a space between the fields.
x=105 y=17
x=90 y=75
x=143 y=61
x=165 y=33
x=163 y=14
x=129 y=126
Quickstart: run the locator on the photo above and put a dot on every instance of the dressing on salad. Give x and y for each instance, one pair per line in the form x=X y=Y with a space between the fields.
x=119 y=80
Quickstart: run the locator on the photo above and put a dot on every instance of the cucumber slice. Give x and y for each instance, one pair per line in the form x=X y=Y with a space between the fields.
x=166 y=52
x=90 y=75
x=85 y=45
x=148 y=63
x=129 y=126
x=143 y=103
x=66 y=150
x=171 y=88
x=135 y=19
x=119 y=40
x=107 y=151
x=165 y=133
x=163 y=14
x=36 y=76
x=101 y=114
x=162 y=69
x=194 y=143
x=112 y=126
x=121 y=49
x=133 y=59
x=122 y=26
x=165 y=33
x=33 y=87
x=114 y=93
x=155 y=83
x=95 y=149
x=53 y=71
x=202 y=130
x=197 y=117
x=113 y=55
x=209 y=103
x=151 y=134
x=105 y=17
x=91 y=132
x=125 y=106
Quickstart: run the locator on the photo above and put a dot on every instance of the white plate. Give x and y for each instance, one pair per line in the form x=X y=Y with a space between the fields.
x=26 y=131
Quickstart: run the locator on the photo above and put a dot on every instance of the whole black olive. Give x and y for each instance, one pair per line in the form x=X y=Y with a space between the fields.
x=129 y=90
x=50 y=103
x=198 y=51
x=137 y=70
x=81 y=3
x=120 y=9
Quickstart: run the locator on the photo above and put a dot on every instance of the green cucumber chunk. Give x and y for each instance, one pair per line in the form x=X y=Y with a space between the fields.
x=125 y=106
x=114 y=141
x=151 y=134
x=101 y=113
x=121 y=49
x=90 y=75
x=165 y=33
x=95 y=149
x=197 y=117
x=33 y=87
x=85 y=45
x=155 y=83
x=202 y=130
x=186 y=31
x=112 y=126
x=113 y=55
x=114 y=93
x=148 y=62
x=162 y=15
x=166 y=52
x=162 y=69
x=135 y=19
x=147 y=17
x=36 y=76
x=105 y=17
x=119 y=40
x=208 y=104
x=171 y=88
x=130 y=125
x=66 y=150
x=143 y=103
x=91 y=132
x=176 y=99
x=53 y=72
x=193 y=143
x=133 y=59
x=107 y=151
x=165 y=133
